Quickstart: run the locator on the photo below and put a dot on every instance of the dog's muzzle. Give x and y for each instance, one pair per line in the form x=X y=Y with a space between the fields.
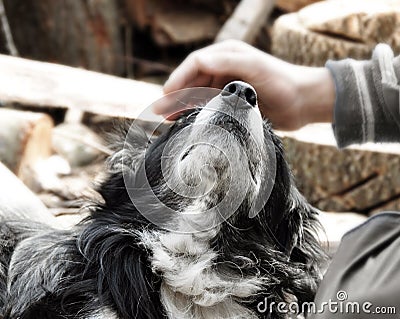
x=239 y=94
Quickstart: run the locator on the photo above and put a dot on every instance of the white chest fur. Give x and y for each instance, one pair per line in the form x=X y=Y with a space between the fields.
x=191 y=286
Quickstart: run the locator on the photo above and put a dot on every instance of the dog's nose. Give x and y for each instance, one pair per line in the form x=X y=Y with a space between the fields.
x=242 y=90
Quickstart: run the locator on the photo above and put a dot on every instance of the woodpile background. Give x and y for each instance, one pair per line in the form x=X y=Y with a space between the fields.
x=52 y=117
x=336 y=30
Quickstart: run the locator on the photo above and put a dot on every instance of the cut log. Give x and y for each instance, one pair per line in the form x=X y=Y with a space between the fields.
x=17 y=201
x=25 y=140
x=293 y=5
x=78 y=33
x=174 y=22
x=78 y=144
x=293 y=42
x=393 y=205
x=51 y=85
x=364 y=21
x=184 y=26
x=246 y=21
x=358 y=179
x=336 y=30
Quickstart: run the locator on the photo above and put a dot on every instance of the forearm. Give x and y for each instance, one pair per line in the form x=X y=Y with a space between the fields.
x=317 y=94
x=367 y=99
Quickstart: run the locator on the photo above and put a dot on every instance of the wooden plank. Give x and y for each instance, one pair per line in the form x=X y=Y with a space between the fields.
x=246 y=21
x=51 y=85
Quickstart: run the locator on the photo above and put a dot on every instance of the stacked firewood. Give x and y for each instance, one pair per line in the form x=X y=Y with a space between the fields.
x=336 y=29
x=51 y=115
x=359 y=179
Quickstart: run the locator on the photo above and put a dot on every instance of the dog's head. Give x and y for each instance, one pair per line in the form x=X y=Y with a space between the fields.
x=219 y=174
x=215 y=161
x=219 y=162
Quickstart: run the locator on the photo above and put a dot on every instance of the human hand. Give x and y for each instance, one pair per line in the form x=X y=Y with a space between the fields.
x=289 y=95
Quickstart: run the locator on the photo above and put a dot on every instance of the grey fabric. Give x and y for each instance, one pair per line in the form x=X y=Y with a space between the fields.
x=367 y=98
x=367 y=268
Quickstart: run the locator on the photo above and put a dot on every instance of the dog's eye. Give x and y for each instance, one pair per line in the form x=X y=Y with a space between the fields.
x=186 y=153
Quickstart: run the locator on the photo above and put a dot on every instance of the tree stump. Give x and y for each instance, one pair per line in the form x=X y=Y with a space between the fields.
x=336 y=30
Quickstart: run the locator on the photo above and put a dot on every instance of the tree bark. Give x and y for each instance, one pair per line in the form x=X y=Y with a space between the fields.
x=77 y=33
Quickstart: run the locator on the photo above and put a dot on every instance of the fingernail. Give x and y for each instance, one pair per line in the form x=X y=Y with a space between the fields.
x=166 y=84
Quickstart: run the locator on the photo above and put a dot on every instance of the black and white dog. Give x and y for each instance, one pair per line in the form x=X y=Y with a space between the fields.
x=228 y=229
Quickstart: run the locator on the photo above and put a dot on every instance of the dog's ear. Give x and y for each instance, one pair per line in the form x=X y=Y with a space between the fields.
x=133 y=286
x=307 y=249
x=294 y=221
x=298 y=230
x=298 y=236
x=121 y=267
x=129 y=146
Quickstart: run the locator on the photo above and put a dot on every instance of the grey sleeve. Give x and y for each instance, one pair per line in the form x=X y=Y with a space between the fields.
x=367 y=98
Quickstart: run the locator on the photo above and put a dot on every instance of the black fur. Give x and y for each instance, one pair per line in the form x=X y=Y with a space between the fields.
x=102 y=262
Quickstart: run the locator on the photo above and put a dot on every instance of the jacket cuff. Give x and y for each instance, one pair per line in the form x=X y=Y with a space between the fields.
x=367 y=99
x=348 y=120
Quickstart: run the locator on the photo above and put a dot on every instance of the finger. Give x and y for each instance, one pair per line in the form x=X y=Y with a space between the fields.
x=169 y=106
x=214 y=64
x=189 y=70
x=168 y=103
x=220 y=82
x=175 y=115
x=183 y=100
x=227 y=64
x=184 y=74
x=202 y=80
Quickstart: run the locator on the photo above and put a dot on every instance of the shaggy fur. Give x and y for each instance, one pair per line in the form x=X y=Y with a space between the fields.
x=117 y=264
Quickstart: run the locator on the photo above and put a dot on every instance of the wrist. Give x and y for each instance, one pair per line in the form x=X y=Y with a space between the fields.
x=317 y=95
